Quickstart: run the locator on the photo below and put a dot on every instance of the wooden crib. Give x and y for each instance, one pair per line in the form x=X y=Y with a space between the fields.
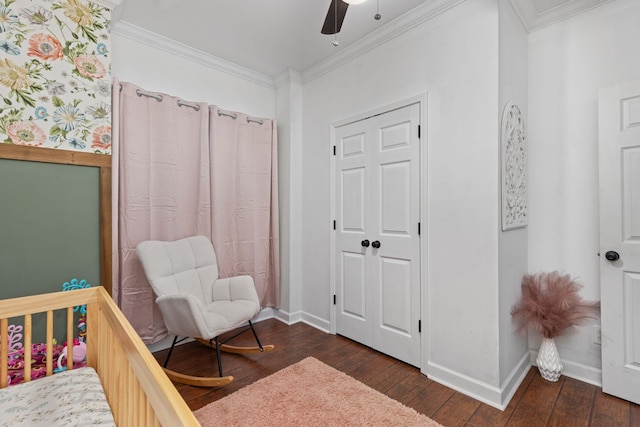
x=137 y=390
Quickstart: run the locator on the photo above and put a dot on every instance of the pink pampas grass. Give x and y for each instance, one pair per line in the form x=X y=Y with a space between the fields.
x=550 y=304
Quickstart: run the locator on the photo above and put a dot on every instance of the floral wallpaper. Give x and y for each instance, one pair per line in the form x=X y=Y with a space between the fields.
x=55 y=80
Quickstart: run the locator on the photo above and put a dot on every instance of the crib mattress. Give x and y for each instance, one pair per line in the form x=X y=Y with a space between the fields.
x=70 y=398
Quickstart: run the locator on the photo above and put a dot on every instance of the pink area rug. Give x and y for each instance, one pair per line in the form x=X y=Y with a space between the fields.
x=309 y=393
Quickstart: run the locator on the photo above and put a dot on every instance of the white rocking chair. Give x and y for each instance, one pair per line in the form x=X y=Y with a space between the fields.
x=194 y=302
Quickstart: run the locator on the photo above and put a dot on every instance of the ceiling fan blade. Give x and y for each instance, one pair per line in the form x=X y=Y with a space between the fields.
x=334 y=19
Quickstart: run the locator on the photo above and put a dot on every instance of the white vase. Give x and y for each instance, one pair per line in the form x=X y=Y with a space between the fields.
x=548 y=360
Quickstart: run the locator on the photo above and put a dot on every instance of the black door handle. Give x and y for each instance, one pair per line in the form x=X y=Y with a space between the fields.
x=612 y=255
x=375 y=244
x=365 y=243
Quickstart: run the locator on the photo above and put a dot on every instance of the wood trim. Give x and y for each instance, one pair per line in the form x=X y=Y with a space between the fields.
x=49 y=155
x=78 y=158
x=106 y=267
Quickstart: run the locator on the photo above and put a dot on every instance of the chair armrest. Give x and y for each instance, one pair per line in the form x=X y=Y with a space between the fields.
x=183 y=315
x=235 y=288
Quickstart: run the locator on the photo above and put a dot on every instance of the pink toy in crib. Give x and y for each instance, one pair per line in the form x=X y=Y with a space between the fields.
x=79 y=353
x=15 y=339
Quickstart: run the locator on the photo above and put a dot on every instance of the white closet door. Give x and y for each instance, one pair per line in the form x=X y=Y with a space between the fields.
x=377 y=241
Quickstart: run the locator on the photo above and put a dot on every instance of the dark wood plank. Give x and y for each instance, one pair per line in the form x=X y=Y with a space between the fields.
x=488 y=416
x=456 y=410
x=411 y=387
x=365 y=373
x=433 y=397
x=359 y=359
x=609 y=411
x=537 y=403
x=396 y=372
x=634 y=414
x=572 y=407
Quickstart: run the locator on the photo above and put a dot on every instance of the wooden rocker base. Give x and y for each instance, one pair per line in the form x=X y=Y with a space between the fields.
x=235 y=349
x=197 y=381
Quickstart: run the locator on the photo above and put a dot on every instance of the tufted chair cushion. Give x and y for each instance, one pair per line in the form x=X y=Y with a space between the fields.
x=191 y=298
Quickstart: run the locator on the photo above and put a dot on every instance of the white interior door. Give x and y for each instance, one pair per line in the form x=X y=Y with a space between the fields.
x=619 y=140
x=377 y=241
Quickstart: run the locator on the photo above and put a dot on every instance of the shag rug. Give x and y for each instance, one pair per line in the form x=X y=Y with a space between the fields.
x=309 y=393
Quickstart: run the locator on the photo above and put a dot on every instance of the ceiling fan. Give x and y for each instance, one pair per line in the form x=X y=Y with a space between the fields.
x=335 y=15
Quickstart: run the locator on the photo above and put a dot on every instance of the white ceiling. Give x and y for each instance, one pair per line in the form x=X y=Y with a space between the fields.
x=270 y=36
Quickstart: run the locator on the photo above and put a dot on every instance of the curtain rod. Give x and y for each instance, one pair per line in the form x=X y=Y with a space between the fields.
x=188 y=104
x=235 y=116
x=196 y=107
x=224 y=113
x=157 y=96
x=251 y=119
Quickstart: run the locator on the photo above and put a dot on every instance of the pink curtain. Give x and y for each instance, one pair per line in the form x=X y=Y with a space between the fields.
x=162 y=182
x=182 y=169
x=244 y=199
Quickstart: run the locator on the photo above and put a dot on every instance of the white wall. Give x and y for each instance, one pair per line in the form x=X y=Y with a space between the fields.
x=568 y=63
x=453 y=58
x=513 y=48
x=154 y=69
x=289 y=114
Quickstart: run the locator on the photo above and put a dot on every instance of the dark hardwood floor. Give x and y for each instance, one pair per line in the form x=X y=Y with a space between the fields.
x=536 y=403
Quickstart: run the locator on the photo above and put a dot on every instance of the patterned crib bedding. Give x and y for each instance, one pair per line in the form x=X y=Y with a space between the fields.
x=70 y=398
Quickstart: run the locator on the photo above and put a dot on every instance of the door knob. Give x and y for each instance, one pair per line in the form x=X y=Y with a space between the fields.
x=610 y=255
x=365 y=243
x=375 y=244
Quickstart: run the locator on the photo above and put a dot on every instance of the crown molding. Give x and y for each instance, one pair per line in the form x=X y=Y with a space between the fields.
x=133 y=32
x=288 y=76
x=109 y=4
x=405 y=22
x=534 y=20
x=428 y=10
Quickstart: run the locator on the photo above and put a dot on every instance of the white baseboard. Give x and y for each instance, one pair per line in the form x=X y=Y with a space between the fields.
x=286 y=317
x=301 y=316
x=316 y=322
x=575 y=370
x=514 y=379
x=493 y=396
x=265 y=313
x=478 y=390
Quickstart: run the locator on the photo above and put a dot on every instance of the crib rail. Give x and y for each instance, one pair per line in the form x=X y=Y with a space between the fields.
x=138 y=391
x=25 y=307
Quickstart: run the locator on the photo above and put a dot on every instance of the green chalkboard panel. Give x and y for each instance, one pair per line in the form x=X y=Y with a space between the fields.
x=49 y=227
